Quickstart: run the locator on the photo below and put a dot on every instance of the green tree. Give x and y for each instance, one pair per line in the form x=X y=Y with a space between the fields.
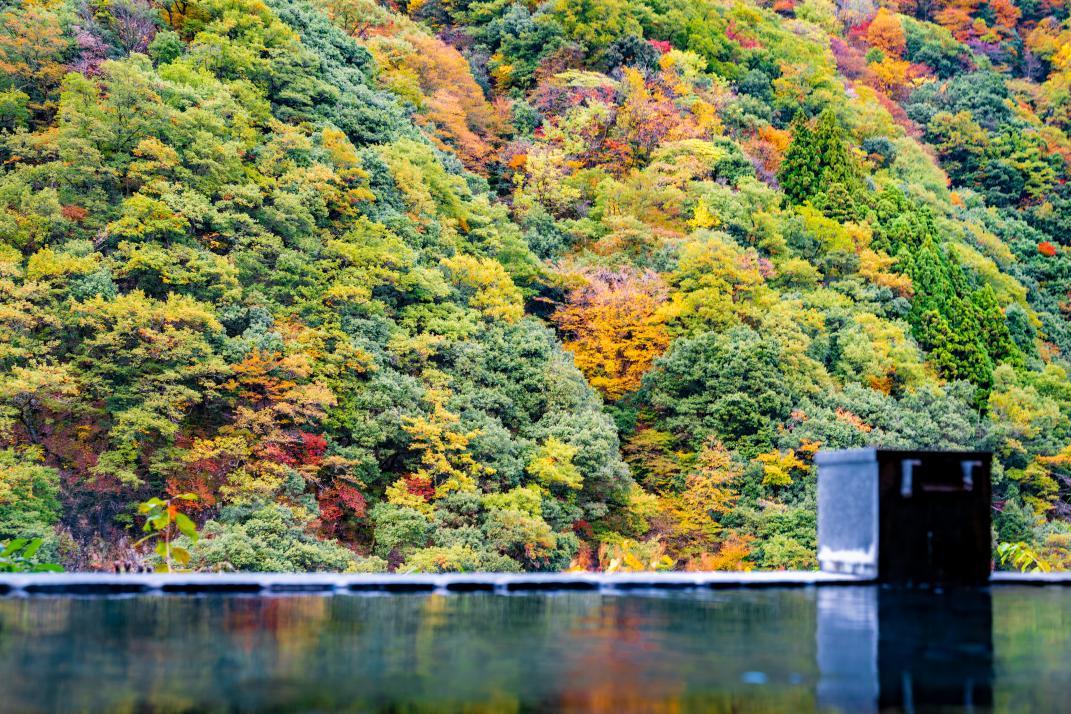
x=993 y=327
x=732 y=386
x=819 y=160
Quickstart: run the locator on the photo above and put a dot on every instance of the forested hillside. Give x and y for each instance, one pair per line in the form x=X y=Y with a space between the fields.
x=503 y=285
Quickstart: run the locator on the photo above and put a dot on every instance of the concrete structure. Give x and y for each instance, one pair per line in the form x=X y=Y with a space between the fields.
x=905 y=516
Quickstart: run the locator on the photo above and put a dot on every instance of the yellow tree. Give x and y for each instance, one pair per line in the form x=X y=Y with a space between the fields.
x=487 y=286
x=708 y=495
x=445 y=464
x=615 y=327
x=891 y=76
x=777 y=467
x=438 y=81
x=552 y=465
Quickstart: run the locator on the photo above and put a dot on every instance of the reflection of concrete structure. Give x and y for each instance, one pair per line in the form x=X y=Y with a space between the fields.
x=904 y=649
x=847 y=647
x=935 y=649
x=905 y=516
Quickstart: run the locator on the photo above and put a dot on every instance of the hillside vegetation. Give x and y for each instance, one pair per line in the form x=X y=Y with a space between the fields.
x=516 y=286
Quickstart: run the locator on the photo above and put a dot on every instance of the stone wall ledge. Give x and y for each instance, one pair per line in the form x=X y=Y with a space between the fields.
x=289 y=583
x=282 y=583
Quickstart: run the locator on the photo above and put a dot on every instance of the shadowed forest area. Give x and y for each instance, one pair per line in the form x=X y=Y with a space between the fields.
x=513 y=285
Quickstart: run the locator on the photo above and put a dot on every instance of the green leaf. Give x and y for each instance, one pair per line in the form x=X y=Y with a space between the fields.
x=14 y=546
x=186 y=526
x=180 y=555
x=31 y=548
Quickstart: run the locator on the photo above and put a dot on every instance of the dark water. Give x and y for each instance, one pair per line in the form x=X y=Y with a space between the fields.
x=831 y=649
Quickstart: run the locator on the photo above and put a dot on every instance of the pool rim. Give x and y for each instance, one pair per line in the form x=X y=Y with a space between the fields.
x=500 y=583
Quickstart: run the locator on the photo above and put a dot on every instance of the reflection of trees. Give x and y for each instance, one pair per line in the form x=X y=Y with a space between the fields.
x=1031 y=648
x=412 y=653
x=608 y=673
x=17 y=620
x=154 y=653
x=642 y=652
x=659 y=654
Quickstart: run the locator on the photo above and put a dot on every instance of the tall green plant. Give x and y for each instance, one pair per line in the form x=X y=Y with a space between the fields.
x=164 y=523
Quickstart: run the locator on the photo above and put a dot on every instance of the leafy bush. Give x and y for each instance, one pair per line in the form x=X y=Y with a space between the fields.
x=268 y=539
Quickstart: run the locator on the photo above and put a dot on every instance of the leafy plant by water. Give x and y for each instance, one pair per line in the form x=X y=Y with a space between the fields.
x=164 y=523
x=1022 y=557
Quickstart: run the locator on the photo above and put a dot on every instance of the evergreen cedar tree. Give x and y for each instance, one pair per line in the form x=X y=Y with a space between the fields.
x=523 y=287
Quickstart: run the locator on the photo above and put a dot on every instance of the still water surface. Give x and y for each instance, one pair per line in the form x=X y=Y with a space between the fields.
x=794 y=650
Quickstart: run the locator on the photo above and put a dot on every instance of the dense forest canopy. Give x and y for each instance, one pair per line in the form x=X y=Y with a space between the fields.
x=514 y=285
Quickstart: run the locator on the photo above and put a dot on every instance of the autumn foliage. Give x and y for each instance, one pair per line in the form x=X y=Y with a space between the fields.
x=490 y=286
x=615 y=327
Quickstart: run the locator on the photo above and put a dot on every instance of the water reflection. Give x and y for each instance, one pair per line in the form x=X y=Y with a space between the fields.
x=935 y=649
x=901 y=649
x=847 y=638
x=844 y=649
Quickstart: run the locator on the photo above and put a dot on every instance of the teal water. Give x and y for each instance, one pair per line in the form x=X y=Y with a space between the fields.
x=792 y=650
